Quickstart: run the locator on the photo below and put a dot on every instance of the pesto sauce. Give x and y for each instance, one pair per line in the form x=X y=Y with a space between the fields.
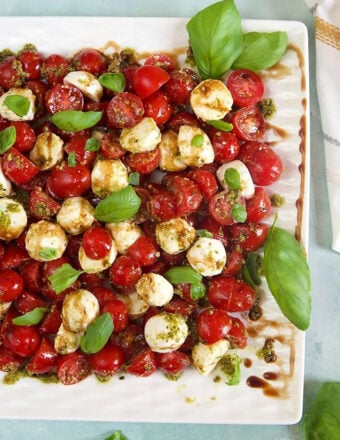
x=267 y=108
x=277 y=201
x=14 y=376
x=267 y=352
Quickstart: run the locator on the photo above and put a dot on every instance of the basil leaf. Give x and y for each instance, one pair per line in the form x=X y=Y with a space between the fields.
x=75 y=120
x=251 y=270
x=322 y=421
x=232 y=178
x=239 y=213
x=63 y=277
x=71 y=160
x=288 y=276
x=261 y=50
x=183 y=274
x=203 y=233
x=197 y=140
x=134 y=179
x=118 y=206
x=216 y=38
x=7 y=138
x=230 y=367
x=97 y=334
x=117 y=435
x=17 y=104
x=92 y=144
x=221 y=125
x=113 y=81
x=48 y=253
x=31 y=318
x=197 y=291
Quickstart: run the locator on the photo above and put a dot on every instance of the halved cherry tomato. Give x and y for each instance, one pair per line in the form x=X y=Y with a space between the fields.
x=221 y=206
x=144 y=250
x=110 y=147
x=206 y=182
x=25 y=136
x=31 y=275
x=162 y=205
x=161 y=60
x=119 y=312
x=103 y=294
x=248 y=124
x=77 y=145
x=125 y=271
x=14 y=256
x=130 y=339
x=8 y=360
x=231 y=294
x=158 y=107
x=67 y=181
x=226 y=146
x=31 y=62
x=245 y=86
x=143 y=363
x=179 y=305
x=125 y=110
x=11 y=73
x=51 y=322
x=63 y=97
x=17 y=167
x=73 y=367
x=147 y=79
x=108 y=361
x=237 y=334
x=174 y=362
x=187 y=193
x=28 y=301
x=89 y=60
x=145 y=162
x=97 y=242
x=181 y=83
x=218 y=231
x=41 y=205
x=234 y=262
x=44 y=359
x=54 y=68
x=249 y=237
x=213 y=325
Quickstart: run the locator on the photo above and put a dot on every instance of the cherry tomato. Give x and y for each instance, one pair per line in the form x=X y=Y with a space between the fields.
x=144 y=250
x=248 y=124
x=174 y=362
x=125 y=271
x=97 y=242
x=161 y=60
x=44 y=359
x=31 y=275
x=41 y=205
x=237 y=334
x=231 y=294
x=89 y=60
x=110 y=147
x=125 y=110
x=8 y=360
x=31 y=62
x=17 y=167
x=39 y=89
x=51 y=322
x=77 y=145
x=234 y=262
x=108 y=361
x=130 y=339
x=103 y=294
x=119 y=312
x=28 y=301
x=258 y=206
x=147 y=79
x=213 y=325
x=182 y=118
x=226 y=146
x=179 y=305
x=143 y=363
x=249 y=237
x=221 y=206
x=206 y=182
x=14 y=256
x=66 y=181
x=180 y=85
x=158 y=107
x=11 y=73
x=73 y=367
x=187 y=192
x=49 y=267
x=265 y=166
x=162 y=205
x=22 y=340
x=11 y=285
x=128 y=73
x=63 y=97
x=143 y=163
x=217 y=230
x=25 y=136
x=54 y=68
x=245 y=86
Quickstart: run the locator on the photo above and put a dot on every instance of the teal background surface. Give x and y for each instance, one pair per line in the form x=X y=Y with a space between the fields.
x=323 y=337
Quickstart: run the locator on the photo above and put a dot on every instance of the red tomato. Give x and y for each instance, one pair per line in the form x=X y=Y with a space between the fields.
x=258 y=206
x=108 y=361
x=180 y=85
x=44 y=359
x=97 y=242
x=265 y=166
x=187 y=193
x=237 y=334
x=218 y=231
x=143 y=363
x=8 y=360
x=174 y=362
x=125 y=271
x=147 y=79
x=213 y=325
x=25 y=136
x=226 y=146
x=144 y=250
x=234 y=262
x=11 y=73
x=77 y=145
x=73 y=367
x=14 y=256
x=28 y=301
x=22 y=340
x=161 y=60
x=162 y=205
x=119 y=312
x=17 y=167
x=89 y=60
x=49 y=267
x=206 y=182
x=128 y=73
x=125 y=110
x=103 y=294
x=231 y=294
x=31 y=62
x=41 y=205
x=179 y=305
x=143 y=163
x=54 y=68
x=11 y=285
x=110 y=147
x=130 y=339
x=63 y=97
x=249 y=237
x=51 y=322
x=245 y=86
x=31 y=275
x=248 y=124
x=182 y=118
x=158 y=107
x=39 y=89
x=221 y=206
x=66 y=181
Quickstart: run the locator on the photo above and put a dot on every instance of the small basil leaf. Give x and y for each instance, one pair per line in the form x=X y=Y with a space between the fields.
x=92 y=144
x=75 y=120
x=118 y=206
x=288 y=276
x=197 y=140
x=63 y=277
x=17 y=104
x=183 y=274
x=239 y=213
x=113 y=81
x=232 y=178
x=48 y=253
x=230 y=367
x=221 y=125
x=7 y=138
x=216 y=38
x=117 y=435
x=203 y=233
x=197 y=291
x=261 y=50
x=71 y=160
x=134 y=179
x=97 y=334
x=31 y=318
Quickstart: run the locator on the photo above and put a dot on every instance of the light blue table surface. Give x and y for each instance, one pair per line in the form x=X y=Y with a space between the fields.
x=322 y=341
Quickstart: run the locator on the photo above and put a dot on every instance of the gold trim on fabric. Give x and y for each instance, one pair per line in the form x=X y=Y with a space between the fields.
x=327 y=33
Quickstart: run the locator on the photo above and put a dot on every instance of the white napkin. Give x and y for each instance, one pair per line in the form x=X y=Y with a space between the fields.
x=327 y=33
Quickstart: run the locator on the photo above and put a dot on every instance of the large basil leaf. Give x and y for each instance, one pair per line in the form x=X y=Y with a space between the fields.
x=97 y=334
x=261 y=50
x=216 y=38
x=75 y=120
x=288 y=276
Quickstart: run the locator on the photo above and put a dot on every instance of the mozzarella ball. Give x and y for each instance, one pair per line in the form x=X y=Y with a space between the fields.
x=47 y=151
x=80 y=308
x=87 y=83
x=175 y=235
x=76 y=215
x=154 y=289
x=211 y=100
x=13 y=219
x=191 y=153
x=144 y=136
x=207 y=256
x=108 y=176
x=135 y=304
x=90 y=265
x=206 y=357
x=165 y=332
x=66 y=341
x=45 y=235
x=247 y=188
x=8 y=114
x=5 y=184
x=170 y=158
x=124 y=234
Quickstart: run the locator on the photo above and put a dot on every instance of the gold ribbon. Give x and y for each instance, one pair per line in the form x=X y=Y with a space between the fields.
x=327 y=33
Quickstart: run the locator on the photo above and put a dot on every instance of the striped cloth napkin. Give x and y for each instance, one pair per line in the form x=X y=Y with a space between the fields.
x=327 y=33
